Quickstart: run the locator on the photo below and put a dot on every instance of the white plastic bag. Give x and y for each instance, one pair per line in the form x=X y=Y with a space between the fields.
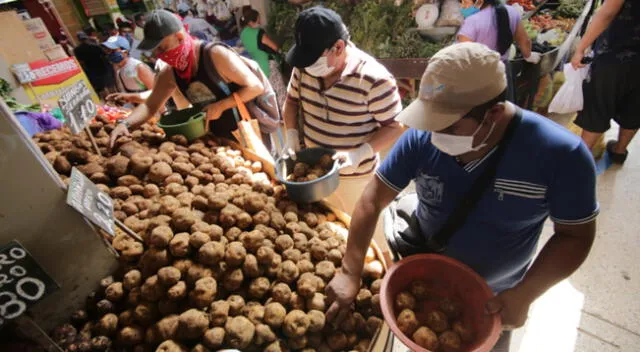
x=569 y=97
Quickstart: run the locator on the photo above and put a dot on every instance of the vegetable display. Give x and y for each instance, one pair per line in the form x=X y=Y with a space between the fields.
x=228 y=261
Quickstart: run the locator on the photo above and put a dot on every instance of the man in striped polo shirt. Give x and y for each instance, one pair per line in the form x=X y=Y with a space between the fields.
x=348 y=101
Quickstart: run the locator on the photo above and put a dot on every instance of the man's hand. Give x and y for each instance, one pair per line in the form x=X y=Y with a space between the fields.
x=341 y=292
x=214 y=110
x=123 y=98
x=513 y=307
x=119 y=131
x=576 y=60
x=350 y=160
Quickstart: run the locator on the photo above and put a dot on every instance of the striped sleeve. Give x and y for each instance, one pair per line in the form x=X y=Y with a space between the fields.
x=384 y=101
x=292 y=88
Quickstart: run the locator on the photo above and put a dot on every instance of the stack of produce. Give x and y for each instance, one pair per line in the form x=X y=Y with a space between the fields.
x=227 y=260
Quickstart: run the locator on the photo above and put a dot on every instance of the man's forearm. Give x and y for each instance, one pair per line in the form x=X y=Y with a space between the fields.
x=363 y=225
x=600 y=22
x=559 y=258
x=139 y=115
x=290 y=114
x=246 y=94
x=385 y=136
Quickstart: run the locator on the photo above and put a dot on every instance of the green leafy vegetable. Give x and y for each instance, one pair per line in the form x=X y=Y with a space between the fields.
x=12 y=103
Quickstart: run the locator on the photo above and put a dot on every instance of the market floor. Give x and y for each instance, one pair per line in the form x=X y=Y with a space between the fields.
x=597 y=308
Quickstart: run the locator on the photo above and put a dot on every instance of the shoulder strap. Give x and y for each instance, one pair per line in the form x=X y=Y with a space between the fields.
x=210 y=68
x=459 y=215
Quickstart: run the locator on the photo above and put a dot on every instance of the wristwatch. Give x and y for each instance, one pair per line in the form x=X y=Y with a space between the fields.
x=124 y=122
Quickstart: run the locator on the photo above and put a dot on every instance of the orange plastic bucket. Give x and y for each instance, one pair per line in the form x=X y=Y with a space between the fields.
x=447 y=277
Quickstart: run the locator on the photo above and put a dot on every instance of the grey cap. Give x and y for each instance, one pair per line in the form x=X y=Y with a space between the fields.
x=159 y=24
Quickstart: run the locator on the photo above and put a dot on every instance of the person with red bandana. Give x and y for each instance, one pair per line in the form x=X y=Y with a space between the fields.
x=197 y=71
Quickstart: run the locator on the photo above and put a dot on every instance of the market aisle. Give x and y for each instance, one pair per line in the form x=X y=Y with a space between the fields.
x=597 y=308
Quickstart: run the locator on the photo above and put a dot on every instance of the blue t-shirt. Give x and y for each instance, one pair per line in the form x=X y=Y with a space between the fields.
x=545 y=171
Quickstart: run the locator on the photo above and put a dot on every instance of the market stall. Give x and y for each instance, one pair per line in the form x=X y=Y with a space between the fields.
x=402 y=35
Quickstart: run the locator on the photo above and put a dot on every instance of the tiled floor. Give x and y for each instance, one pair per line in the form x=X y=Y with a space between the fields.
x=598 y=308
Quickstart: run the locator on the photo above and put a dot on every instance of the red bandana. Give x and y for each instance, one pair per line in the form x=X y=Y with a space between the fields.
x=181 y=58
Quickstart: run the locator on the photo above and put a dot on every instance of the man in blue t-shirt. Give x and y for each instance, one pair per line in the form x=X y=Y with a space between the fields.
x=456 y=126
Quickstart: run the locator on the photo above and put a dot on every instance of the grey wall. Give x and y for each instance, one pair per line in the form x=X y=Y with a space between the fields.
x=33 y=210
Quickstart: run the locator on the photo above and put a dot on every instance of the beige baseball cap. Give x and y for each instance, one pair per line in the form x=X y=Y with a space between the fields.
x=457 y=79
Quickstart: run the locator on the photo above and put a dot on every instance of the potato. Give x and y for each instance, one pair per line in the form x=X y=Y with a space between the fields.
x=265 y=255
x=375 y=304
x=120 y=192
x=264 y=334
x=305 y=266
x=232 y=234
x=288 y=272
x=107 y=325
x=130 y=335
x=219 y=312
x=235 y=254
x=374 y=323
x=236 y=303
x=375 y=286
x=253 y=240
x=179 y=245
x=292 y=254
x=160 y=237
x=192 y=324
x=277 y=220
x=114 y=292
x=150 y=190
x=152 y=260
x=171 y=346
x=152 y=290
x=159 y=171
x=437 y=321
x=426 y=338
x=406 y=321
x=316 y=320
x=233 y=280
x=169 y=276
x=214 y=338
x=197 y=272
x=419 y=289
x=451 y=307
x=283 y=242
x=259 y=287
x=250 y=267
x=308 y=284
x=134 y=297
x=204 y=292
x=337 y=341
x=281 y=293
x=197 y=239
x=465 y=332
x=373 y=270
x=317 y=302
x=211 y=252
x=319 y=250
x=325 y=269
x=276 y=346
x=183 y=219
x=140 y=163
x=100 y=343
x=239 y=332
x=117 y=166
x=295 y=323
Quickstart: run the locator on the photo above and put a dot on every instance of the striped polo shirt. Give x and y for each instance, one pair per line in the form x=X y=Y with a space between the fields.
x=350 y=112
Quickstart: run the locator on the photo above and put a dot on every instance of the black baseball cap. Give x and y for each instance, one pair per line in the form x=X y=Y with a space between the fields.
x=159 y=24
x=317 y=29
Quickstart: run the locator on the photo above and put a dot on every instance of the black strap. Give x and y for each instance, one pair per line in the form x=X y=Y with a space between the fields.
x=459 y=215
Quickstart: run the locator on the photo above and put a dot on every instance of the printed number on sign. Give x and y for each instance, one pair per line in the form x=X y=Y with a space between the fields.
x=4 y=260
x=24 y=284
x=10 y=306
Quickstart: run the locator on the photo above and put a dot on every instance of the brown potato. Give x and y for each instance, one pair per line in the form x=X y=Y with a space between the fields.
x=152 y=290
x=219 y=312
x=235 y=254
x=239 y=332
x=437 y=321
x=160 y=237
x=250 y=267
x=159 y=171
x=451 y=307
x=171 y=346
x=317 y=302
x=177 y=292
x=465 y=332
x=296 y=323
x=133 y=278
x=211 y=252
x=426 y=338
x=259 y=287
x=325 y=269
x=405 y=300
x=192 y=324
x=316 y=320
x=130 y=335
x=450 y=341
x=288 y=272
x=233 y=280
x=204 y=292
x=179 y=245
x=114 y=292
x=214 y=338
x=236 y=303
x=281 y=293
x=407 y=322
x=263 y=335
x=274 y=314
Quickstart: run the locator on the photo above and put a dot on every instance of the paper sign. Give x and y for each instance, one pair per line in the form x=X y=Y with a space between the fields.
x=77 y=106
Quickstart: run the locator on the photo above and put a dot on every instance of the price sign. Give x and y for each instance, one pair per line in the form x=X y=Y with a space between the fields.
x=91 y=202
x=23 y=73
x=77 y=106
x=23 y=281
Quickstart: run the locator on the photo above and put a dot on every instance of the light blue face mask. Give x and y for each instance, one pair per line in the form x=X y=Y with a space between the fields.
x=469 y=11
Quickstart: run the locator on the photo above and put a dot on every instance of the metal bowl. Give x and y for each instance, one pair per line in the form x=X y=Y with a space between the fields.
x=309 y=191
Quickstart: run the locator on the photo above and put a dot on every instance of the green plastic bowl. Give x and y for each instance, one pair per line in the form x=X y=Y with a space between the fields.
x=190 y=123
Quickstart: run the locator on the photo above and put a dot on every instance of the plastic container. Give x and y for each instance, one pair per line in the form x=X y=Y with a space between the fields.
x=310 y=191
x=448 y=278
x=190 y=123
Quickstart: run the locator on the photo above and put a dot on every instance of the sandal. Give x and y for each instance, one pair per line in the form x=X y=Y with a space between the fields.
x=616 y=157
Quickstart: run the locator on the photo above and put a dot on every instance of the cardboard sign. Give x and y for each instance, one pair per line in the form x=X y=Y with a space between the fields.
x=40 y=32
x=23 y=281
x=77 y=106
x=23 y=73
x=91 y=202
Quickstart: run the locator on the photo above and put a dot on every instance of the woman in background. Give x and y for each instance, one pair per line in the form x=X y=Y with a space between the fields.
x=262 y=50
x=497 y=26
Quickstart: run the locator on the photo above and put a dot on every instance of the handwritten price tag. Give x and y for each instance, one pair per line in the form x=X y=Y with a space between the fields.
x=22 y=281
x=77 y=106
x=91 y=202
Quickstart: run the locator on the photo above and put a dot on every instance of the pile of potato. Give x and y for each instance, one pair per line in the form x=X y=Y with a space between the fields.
x=227 y=260
x=303 y=172
x=432 y=322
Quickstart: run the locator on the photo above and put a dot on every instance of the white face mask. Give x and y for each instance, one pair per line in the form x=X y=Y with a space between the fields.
x=320 y=68
x=458 y=145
